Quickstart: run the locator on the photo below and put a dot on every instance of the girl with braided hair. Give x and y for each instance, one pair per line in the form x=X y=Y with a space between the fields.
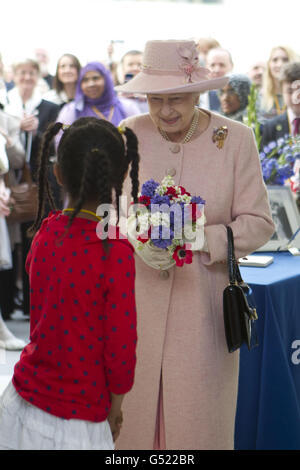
x=68 y=386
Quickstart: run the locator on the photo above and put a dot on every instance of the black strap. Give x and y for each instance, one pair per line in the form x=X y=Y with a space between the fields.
x=233 y=267
x=231 y=256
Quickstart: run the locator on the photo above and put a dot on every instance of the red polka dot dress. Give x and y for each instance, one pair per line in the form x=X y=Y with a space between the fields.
x=82 y=321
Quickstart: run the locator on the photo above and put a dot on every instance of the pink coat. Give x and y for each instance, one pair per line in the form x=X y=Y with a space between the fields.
x=180 y=319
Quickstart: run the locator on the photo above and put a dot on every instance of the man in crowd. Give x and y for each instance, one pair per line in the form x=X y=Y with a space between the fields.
x=130 y=66
x=219 y=62
x=256 y=73
x=288 y=122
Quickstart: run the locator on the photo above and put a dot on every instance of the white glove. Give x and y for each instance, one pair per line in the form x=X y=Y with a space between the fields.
x=155 y=257
x=158 y=258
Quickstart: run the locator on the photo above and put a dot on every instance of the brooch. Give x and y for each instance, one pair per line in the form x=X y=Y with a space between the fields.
x=219 y=136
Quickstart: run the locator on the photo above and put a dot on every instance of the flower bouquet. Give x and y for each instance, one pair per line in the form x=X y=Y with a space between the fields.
x=167 y=225
x=278 y=160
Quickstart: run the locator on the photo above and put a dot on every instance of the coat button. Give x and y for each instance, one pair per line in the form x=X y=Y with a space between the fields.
x=175 y=148
x=164 y=274
x=171 y=172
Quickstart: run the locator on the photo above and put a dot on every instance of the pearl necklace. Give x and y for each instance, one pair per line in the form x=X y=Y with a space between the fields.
x=189 y=133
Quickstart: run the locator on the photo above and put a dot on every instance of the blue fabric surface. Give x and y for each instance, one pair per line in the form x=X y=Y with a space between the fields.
x=268 y=408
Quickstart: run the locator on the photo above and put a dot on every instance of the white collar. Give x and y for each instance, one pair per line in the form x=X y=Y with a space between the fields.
x=15 y=105
x=291 y=115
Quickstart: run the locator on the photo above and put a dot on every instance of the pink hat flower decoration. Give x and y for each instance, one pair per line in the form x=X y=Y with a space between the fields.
x=190 y=64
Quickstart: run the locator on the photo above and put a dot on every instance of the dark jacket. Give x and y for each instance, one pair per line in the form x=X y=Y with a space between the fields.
x=213 y=100
x=275 y=128
x=47 y=113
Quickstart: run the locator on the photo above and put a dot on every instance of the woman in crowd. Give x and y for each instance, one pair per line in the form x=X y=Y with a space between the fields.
x=15 y=153
x=65 y=80
x=271 y=96
x=95 y=97
x=11 y=158
x=25 y=102
x=234 y=97
x=185 y=390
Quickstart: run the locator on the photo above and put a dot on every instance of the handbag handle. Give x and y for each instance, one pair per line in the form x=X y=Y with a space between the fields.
x=230 y=256
x=235 y=276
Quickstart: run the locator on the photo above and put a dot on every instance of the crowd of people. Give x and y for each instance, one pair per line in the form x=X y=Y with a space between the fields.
x=86 y=103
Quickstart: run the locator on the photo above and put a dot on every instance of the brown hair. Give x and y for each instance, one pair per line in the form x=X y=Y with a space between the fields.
x=57 y=84
x=93 y=159
x=268 y=88
x=290 y=72
x=207 y=44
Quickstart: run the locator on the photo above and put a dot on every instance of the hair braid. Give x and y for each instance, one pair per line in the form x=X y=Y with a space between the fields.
x=134 y=158
x=43 y=183
x=95 y=182
x=93 y=160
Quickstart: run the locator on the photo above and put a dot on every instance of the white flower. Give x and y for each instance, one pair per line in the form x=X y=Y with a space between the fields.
x=189 y=231
x=137 y=225
x=201 y=220
x=168 y=181
x=160 y=218
x=160 y=190
x=143 y=222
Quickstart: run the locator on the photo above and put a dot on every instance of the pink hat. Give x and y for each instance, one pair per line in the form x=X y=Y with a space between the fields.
x=171 y=67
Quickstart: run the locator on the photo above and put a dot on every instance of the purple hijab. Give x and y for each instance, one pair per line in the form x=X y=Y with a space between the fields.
x=83 y=105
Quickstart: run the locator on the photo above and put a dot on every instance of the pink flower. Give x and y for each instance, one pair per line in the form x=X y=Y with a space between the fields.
x=190 y=65
x=181 y=255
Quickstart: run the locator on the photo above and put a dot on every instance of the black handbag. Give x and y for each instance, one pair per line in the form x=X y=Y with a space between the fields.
x=238 y=305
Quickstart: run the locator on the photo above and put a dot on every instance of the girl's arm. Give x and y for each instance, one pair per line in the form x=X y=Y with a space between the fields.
x=115 y=417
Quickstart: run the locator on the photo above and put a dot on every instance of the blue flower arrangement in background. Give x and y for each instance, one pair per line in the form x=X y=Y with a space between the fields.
x=278 y=158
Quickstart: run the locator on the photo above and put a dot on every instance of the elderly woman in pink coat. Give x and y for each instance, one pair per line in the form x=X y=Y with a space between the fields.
x=185 y=390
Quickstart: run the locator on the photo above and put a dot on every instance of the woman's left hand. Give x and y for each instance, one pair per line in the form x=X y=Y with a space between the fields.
x=29 y=123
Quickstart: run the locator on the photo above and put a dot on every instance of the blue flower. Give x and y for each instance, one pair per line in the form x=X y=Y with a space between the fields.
x=197 y=200
x=289 y=158
x=162 y=236
x=272 y=145
x=262 y=155
x=161 y=243
x=277 y=161
x=285 y=171
x=149 y=187
x=266 y=149
x=159 y=200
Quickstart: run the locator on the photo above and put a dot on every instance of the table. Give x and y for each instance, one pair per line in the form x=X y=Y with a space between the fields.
x=268 y=407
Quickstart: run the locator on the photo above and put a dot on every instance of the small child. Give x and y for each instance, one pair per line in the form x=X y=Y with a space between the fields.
x=68 y=386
